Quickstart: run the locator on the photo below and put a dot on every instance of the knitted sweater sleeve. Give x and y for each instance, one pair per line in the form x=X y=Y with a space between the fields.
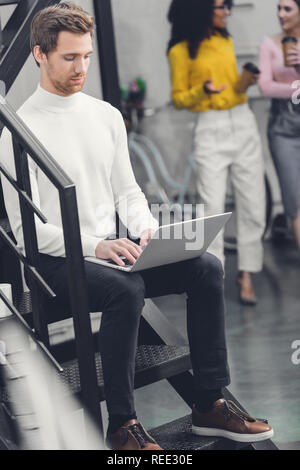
x=183 y=95
x=130 y=201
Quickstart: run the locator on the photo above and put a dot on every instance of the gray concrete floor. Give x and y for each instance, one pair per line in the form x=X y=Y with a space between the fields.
x=264 y=379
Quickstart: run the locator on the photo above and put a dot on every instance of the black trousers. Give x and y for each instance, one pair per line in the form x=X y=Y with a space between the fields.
x=120 y=297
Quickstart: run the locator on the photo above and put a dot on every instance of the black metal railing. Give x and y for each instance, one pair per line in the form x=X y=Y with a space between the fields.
x=24 y=144
x=107 y=52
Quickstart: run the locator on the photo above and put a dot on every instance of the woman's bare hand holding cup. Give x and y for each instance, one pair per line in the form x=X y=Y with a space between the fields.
x=211 y=89
x=293 y=57
x=255 y=79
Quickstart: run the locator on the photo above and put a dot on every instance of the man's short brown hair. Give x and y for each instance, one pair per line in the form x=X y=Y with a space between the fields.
x=48 y=23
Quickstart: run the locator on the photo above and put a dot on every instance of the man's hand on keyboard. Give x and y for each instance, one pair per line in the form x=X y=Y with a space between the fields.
x=113 y=249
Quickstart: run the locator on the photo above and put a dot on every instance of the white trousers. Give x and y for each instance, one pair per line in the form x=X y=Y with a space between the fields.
x=228 y=143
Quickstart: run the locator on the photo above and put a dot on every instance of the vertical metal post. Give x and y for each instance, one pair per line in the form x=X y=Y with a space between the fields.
x=79 y=304
x=30 y=242
x=107 y=52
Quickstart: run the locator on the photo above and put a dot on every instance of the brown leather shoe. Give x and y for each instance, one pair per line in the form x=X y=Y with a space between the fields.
x=227 y=420
x=131 y=436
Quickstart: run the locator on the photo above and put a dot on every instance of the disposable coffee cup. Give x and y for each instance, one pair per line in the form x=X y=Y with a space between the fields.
x=4 y=310
x=287 y=43
x=249 y=70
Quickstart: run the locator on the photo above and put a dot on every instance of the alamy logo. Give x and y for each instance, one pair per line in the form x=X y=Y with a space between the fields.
x=171 y=227
x=296 y=354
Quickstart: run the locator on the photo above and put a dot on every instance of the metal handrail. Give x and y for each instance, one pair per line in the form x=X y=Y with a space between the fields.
x=24 y=144
x=23 y=194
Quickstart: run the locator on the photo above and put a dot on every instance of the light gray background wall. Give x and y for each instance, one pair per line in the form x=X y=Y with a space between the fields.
x=142 y=33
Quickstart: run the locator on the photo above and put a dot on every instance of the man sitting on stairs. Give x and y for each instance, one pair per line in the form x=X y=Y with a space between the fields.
x=87 y=137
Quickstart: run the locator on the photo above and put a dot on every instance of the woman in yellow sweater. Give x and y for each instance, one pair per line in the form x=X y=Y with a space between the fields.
x=204 y=79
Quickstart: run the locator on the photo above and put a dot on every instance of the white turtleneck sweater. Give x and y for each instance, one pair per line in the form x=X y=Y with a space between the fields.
x=87 y=138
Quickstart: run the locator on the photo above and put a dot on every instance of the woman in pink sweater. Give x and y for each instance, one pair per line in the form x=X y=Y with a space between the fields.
x=279 y=82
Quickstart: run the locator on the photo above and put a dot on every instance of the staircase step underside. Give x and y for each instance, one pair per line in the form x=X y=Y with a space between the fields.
x=153 y=363
x=177 y=435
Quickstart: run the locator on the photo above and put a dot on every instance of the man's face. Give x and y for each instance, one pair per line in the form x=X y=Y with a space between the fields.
x=64 y=70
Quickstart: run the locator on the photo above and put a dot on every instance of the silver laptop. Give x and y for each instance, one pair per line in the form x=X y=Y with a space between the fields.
x=173 y=243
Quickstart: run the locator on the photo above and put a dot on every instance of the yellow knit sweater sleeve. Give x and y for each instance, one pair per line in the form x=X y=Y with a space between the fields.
x=216 y=61
x=182 y=95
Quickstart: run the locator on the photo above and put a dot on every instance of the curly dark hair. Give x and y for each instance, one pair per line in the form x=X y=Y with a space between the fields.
x=192 y=21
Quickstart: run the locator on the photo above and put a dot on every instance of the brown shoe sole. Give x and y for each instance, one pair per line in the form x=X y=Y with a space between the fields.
x=262 y=436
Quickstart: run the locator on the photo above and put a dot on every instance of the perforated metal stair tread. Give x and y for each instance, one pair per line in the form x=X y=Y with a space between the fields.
x=177 y=435
x=23 y=303
x=149 y=359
